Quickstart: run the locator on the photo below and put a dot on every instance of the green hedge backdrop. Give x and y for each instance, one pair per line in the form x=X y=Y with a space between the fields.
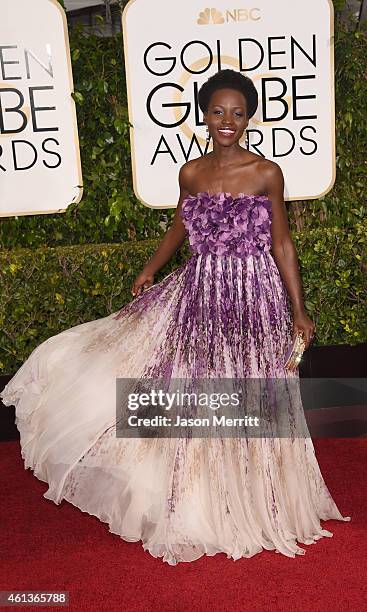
x=63 y=269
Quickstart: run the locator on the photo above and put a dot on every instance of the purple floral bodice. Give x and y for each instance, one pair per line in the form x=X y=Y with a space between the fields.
x=225 y=225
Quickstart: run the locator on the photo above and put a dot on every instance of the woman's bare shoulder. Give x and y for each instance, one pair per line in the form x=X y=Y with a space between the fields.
x=189 y=171
x=266 y=168
x=272 y=171
x=260 y=160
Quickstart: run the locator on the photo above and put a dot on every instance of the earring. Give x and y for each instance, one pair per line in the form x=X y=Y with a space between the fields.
x=246 y=140
x=207 y=134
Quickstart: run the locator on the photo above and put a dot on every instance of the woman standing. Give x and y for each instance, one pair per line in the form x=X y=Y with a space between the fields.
x=224 y=314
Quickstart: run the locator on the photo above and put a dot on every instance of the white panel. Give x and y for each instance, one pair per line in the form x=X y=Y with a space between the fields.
x=33 y=35
x=309 y=168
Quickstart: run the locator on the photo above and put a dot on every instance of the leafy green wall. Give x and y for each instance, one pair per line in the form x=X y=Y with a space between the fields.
x=47 y=290
x=109 y=210
x=57 y=271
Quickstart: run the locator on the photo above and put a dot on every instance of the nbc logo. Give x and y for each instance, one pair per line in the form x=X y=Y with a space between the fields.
x=212 y=15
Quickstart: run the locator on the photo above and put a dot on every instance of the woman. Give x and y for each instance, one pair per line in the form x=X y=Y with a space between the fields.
x=223 y=314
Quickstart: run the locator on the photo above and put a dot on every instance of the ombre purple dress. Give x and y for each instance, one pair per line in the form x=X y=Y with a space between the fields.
x=224 y=313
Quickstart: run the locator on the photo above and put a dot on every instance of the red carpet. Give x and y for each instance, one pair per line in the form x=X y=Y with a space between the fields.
x=48 y=547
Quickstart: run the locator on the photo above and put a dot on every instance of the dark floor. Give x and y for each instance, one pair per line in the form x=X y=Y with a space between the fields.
x=333 y=389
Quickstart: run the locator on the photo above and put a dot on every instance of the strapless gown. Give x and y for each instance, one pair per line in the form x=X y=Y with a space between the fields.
x=225 y=313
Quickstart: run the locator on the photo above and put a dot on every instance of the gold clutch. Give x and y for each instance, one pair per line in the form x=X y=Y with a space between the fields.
x=295 y=352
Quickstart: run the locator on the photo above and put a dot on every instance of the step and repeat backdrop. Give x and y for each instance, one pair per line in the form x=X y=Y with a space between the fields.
x=285 y=47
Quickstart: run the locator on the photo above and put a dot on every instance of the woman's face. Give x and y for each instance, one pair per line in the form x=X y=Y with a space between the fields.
x=227 y=109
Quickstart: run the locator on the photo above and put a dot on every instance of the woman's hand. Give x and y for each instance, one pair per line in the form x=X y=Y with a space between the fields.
x=144 y=280
x=303 y=323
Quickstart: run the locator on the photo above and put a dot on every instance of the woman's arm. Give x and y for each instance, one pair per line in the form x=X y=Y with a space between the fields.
x=284 y=251
x=172 y=240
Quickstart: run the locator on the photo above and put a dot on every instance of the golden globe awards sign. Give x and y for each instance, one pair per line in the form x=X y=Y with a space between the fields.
x=285 y=47
x=39 y=153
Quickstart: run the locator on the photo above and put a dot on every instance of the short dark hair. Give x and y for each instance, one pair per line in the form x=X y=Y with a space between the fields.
x=233 y=80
